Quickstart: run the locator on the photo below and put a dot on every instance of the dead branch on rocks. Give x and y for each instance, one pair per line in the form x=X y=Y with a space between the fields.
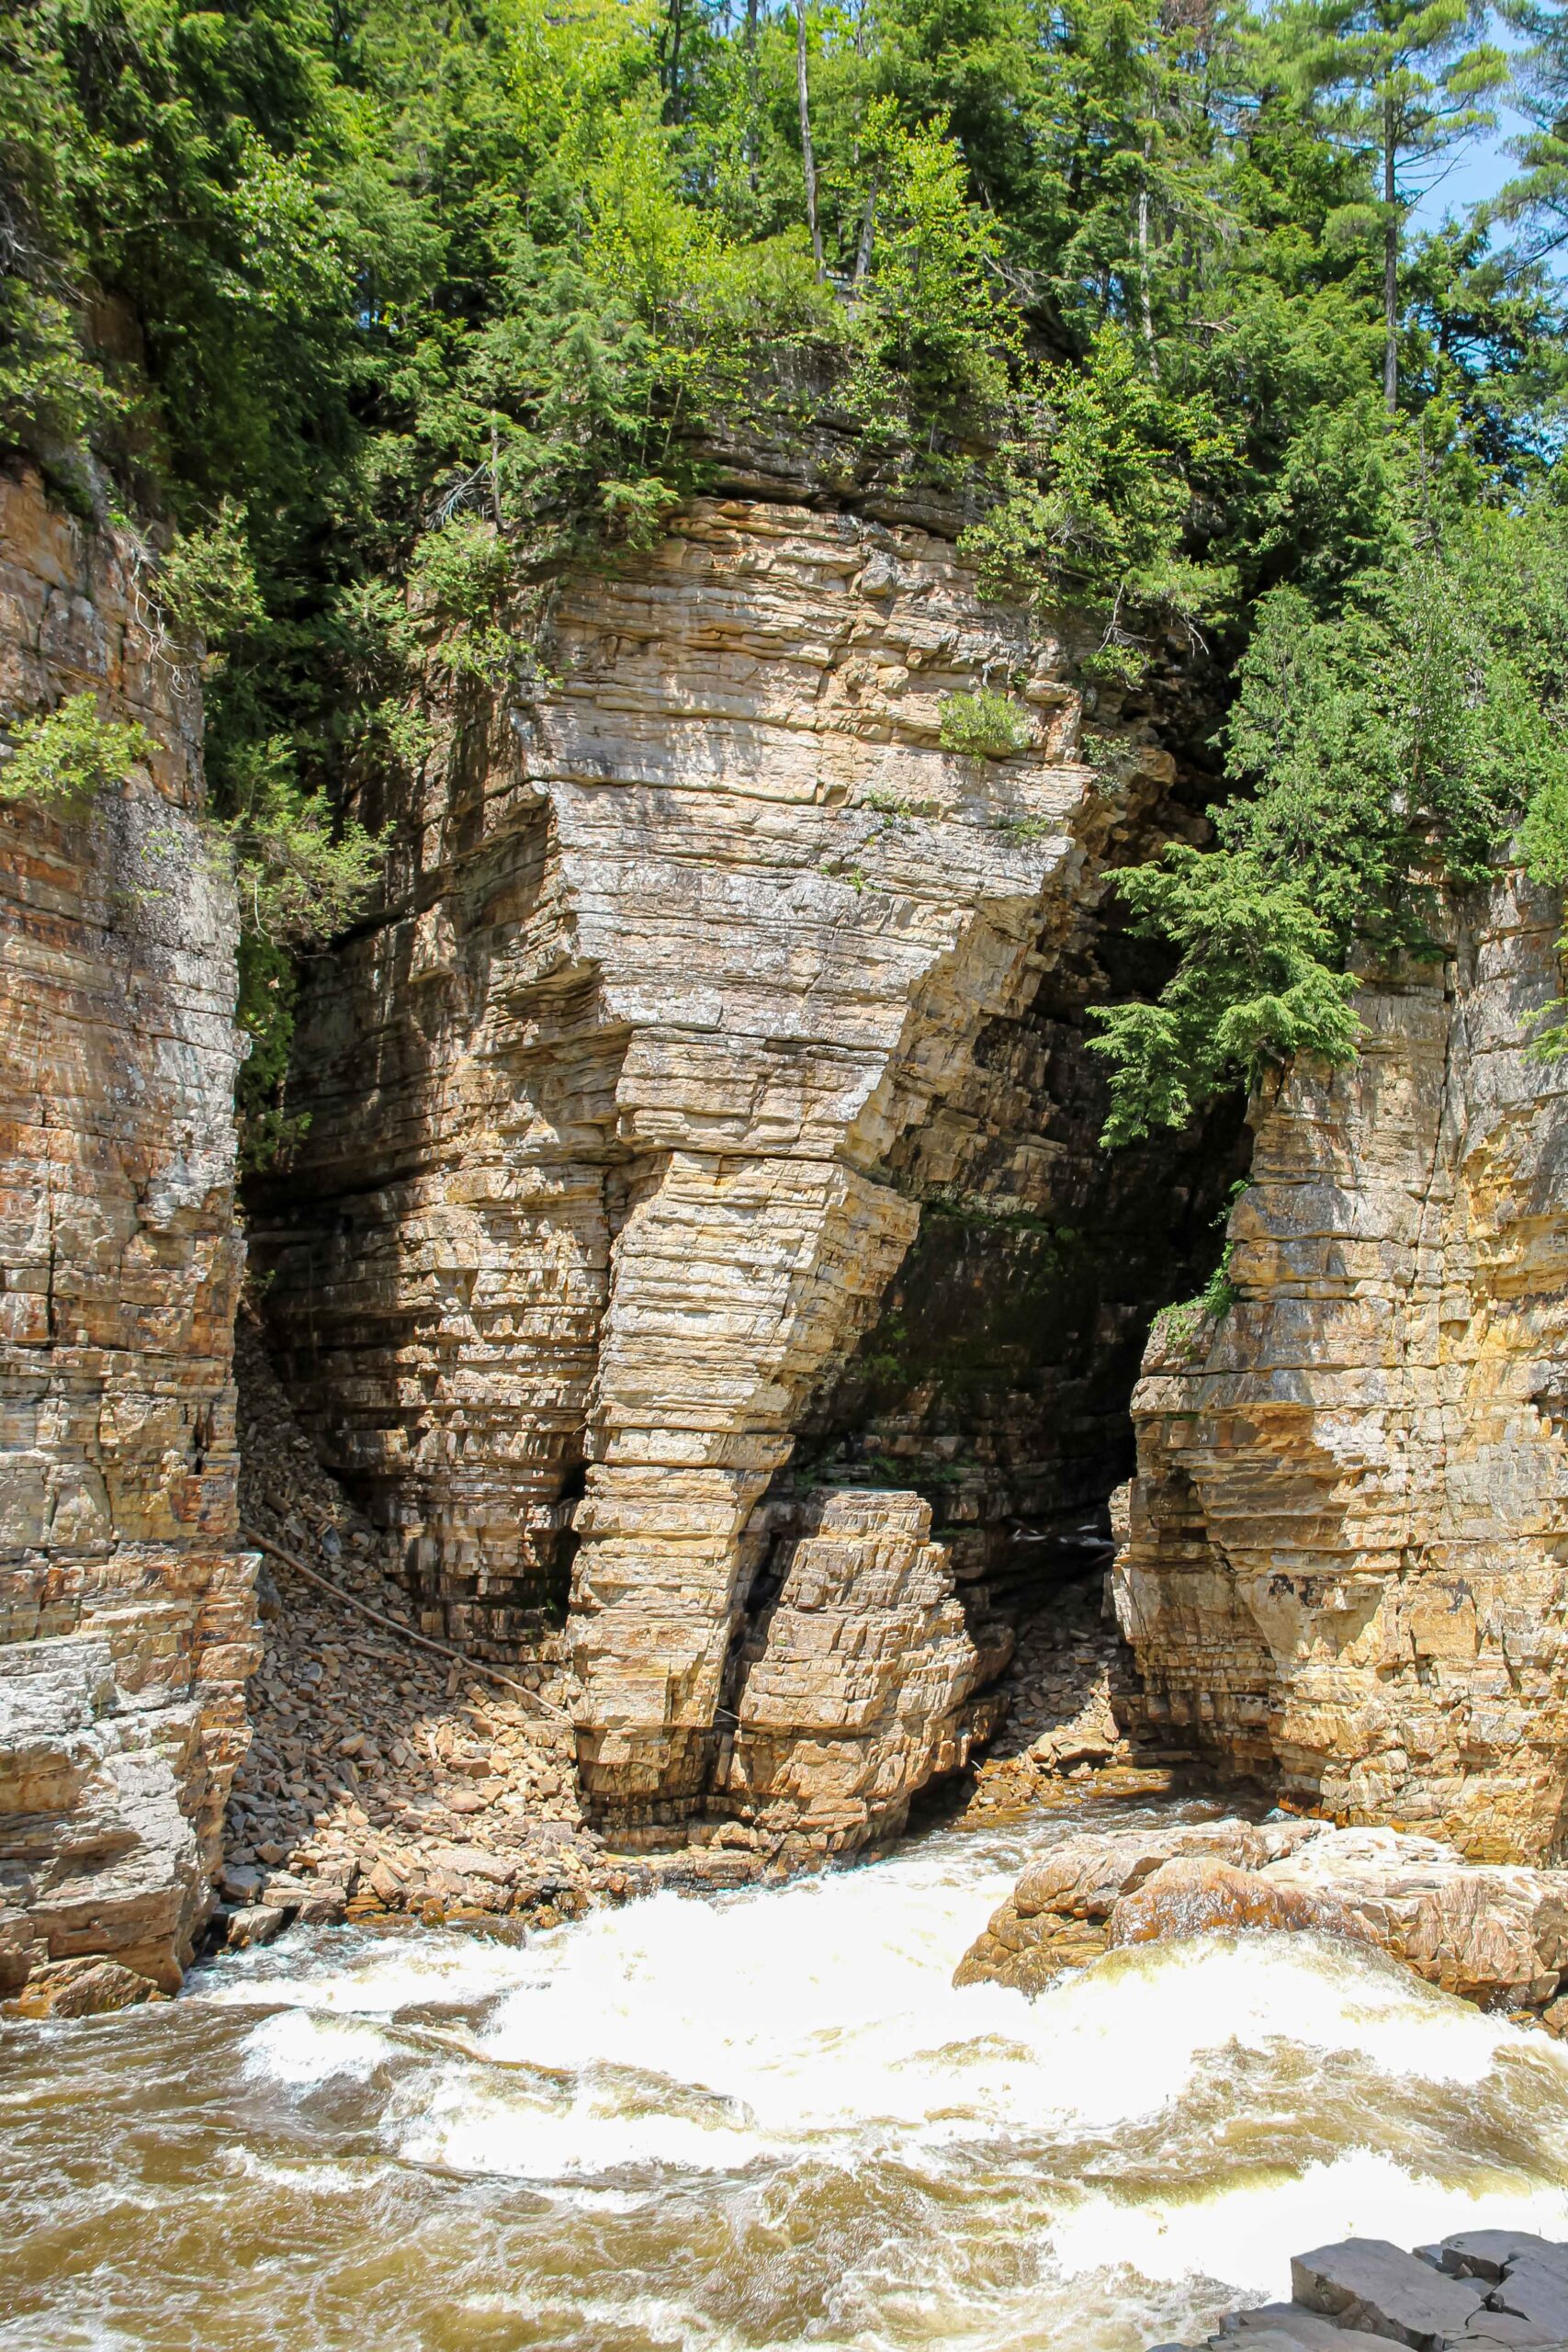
x=404 y=1633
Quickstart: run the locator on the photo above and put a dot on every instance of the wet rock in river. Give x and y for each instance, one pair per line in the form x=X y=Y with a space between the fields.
x=84 y=1988
x=1198 y=1894
x=1492 y=1934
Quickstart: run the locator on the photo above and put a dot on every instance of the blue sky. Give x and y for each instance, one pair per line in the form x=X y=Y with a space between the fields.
x=1480 y=167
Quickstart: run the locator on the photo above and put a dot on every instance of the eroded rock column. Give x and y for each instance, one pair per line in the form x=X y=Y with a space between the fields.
x=560 y=1289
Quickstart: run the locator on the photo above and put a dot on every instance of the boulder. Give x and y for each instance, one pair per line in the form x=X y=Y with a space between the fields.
x=1196 y=1896
x=1374 y=2287
x=85 y=1988
x=1487 y=2253
x=1491 y=1934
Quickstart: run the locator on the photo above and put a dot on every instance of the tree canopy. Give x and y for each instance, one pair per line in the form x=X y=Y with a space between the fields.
x=367 y=315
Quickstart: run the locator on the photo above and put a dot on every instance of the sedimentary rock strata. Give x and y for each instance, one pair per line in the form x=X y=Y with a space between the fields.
x=1345 y=1563
x=858 y=1685
x=610 y=1159
x=1491 y=1934
x=125 y=1608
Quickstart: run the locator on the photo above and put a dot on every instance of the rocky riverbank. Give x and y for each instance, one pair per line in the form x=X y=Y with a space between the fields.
x=386 y=1779
x=1479 y=2286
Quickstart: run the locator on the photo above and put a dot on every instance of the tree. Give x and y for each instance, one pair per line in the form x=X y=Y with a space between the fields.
x=1538 y=198
x=1401 y=82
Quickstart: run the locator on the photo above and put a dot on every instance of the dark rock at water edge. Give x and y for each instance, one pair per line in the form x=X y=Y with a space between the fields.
x=1480 y=2287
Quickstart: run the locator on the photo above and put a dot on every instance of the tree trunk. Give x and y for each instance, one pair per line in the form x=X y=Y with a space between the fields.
x=1390 y=267
x=867 y=230
x=753 y=101
x=1144 y=302
x=808 y=156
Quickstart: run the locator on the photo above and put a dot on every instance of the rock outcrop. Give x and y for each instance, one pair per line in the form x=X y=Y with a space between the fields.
x=126 y=1615
x=1347 y=1566
x=858 y=1685
x=1492 y=1934
x=1478 y=2287
x=705 y=977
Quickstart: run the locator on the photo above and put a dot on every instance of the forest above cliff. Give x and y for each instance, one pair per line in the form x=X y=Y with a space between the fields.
x=358 y=323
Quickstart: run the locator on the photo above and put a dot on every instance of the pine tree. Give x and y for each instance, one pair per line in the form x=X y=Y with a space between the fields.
x=1403 y=83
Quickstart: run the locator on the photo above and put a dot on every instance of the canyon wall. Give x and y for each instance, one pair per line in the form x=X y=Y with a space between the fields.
x=126 y=1619
x=704 y=970
x=1346 y=1563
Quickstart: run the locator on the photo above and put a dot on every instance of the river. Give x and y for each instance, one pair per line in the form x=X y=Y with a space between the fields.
x=759 y=2119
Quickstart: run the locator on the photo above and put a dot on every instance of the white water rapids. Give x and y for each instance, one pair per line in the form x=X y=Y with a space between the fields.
x=763 y=2120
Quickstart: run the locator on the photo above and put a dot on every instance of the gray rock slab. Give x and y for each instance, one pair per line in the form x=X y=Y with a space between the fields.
x=1373 y=2288
x=1244 y=2331
x=1487 y=2253
x=1535 y=2291
x=1489 y=2330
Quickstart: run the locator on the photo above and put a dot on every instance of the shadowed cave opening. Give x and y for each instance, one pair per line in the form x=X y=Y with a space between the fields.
x=997 y=1379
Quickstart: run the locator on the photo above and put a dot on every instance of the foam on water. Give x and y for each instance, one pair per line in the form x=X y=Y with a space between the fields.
x=768 y=2120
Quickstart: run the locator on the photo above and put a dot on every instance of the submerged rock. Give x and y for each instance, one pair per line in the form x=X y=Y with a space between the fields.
x=1491 y=1933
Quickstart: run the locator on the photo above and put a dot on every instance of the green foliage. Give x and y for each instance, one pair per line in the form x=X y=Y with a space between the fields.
x=390 y=311
x=1097 y=494
x=68 y=757
x=1180 y=1324
x=1390 y=749
x=1256 y=983
x=300 y=877
x=984 y=726
x=207 y=582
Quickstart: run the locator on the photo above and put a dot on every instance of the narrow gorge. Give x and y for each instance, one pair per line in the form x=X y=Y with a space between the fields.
x=783 y=1180
x=699 y=1271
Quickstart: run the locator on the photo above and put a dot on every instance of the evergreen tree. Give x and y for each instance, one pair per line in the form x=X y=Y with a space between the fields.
x=1402 y=82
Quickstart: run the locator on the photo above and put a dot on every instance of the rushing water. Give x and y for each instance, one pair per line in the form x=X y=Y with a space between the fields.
x=764 y=2120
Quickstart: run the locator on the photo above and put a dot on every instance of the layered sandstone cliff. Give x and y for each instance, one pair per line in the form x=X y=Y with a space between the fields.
x=126 y=1620
x=707 y=969
x=1347 y=1560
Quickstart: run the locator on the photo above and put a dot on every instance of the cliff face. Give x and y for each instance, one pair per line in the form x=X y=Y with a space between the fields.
x=126 y=1621
x=1347 y=1558
x=707 y=969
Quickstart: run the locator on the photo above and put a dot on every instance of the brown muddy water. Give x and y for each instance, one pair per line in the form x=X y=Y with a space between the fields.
x=761 y=2120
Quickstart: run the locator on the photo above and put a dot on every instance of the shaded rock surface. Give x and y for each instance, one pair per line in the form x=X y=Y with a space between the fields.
x=1492 y=1934
x=381 y=1779
x=126 y=1619
x=1347 y=1566
x=1479 y=2286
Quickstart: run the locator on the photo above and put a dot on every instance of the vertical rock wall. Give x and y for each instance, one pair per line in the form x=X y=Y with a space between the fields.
x=600 y=1186
x=1347 y=1558
x=126 y=1620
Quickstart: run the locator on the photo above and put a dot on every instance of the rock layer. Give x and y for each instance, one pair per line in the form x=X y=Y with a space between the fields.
x=603 y=1176
x=1346 y=1564
x=858 y=1686
x=125 y=1608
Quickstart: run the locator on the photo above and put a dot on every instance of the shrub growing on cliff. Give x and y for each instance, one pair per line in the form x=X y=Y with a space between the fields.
x=984 y=726
x=70 y=756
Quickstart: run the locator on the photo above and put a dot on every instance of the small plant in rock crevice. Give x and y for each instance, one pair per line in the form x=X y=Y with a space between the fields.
x=984 y=726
